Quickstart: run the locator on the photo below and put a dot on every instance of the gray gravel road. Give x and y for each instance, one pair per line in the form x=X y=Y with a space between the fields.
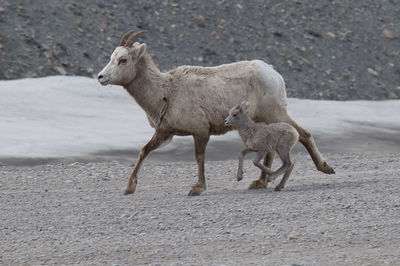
x=76 y=214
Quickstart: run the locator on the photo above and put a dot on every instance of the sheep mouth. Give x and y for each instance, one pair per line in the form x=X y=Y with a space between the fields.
x=104 y=82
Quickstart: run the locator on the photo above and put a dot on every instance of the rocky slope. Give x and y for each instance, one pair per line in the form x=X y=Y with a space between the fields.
x=325 y=49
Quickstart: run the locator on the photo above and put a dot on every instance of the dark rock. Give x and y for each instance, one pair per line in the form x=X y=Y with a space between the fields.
x=78 y=36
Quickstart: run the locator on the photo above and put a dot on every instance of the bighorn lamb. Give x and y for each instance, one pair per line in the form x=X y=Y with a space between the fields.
x=191 y=100
x=262 y=138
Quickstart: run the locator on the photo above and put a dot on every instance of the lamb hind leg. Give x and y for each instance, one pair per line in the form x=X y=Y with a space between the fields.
x=281 y=184
x=261 y=183
x=156 y=141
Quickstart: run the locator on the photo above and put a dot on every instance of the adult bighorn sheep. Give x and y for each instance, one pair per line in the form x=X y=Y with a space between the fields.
x=194 y=100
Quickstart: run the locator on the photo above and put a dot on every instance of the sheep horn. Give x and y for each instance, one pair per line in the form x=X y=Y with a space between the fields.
x=126 y=37
x=133 y=38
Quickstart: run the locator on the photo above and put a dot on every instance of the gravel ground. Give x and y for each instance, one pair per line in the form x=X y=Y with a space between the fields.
x=338 y=49
x=75 y=213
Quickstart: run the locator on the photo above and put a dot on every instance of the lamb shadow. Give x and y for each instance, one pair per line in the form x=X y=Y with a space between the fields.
x=328 y=186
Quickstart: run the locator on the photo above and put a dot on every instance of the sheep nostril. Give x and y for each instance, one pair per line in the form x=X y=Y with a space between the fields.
x=100 y=77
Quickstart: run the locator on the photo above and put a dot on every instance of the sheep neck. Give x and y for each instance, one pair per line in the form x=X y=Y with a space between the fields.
x=149 y=89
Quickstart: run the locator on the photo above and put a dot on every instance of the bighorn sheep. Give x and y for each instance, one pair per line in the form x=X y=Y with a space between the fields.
x=191 y=100
x=262 y=138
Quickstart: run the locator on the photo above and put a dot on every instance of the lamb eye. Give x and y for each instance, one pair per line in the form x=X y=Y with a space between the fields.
x=122 y=61
x=235 y=115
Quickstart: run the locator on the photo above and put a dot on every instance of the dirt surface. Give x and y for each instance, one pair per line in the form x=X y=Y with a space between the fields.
x=324 y=49
x=76 y=214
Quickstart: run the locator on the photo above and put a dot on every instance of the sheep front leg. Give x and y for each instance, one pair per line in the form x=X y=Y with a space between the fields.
x=200 y=144
x=156 y=141
x=240 y=169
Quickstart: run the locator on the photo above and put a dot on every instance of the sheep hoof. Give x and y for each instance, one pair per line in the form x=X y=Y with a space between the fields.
x=278 y=188
x=193 y=193
x=325 y=168
x=130 y=189
x=258 y=184
x=238 y=178
x=127 y=192
x=196 y=190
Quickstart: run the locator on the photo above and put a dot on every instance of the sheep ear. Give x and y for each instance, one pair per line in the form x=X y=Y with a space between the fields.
x=140 y=50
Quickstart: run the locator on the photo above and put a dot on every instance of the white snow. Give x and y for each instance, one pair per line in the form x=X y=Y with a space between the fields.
x=63 y=116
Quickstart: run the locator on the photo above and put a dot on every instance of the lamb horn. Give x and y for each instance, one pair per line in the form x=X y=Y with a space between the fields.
x=126 y=37
x=133 y=38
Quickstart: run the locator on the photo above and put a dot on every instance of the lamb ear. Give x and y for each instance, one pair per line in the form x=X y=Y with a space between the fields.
x=140 y=50
x=245 y=106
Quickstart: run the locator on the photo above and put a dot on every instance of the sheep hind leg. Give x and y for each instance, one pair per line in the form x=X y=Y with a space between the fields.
x=158 y=140
x=261 y=181
x=200 y=144
x=308 y=142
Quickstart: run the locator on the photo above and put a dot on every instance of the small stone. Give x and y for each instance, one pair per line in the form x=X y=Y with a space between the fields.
x=398 y=88
x=1 y=46
x=388 y=34
x=306 y=62
x=331 y=35
x=103 y=25
x=1 y=9
x=47 y=54
x=200 y=20
x=372 y=72
x=60 y=70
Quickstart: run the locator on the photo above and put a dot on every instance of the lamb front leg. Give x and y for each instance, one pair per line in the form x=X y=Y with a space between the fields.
x=240 y=169
x=259 y=183
x=257 y=163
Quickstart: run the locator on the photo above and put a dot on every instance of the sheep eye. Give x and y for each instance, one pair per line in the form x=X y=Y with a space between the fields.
x=122 y=61
x=234 y=115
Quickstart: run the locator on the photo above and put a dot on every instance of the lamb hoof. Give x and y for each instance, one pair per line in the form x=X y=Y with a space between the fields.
x=325 y=168
x=258 y=184
x=278 y=188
